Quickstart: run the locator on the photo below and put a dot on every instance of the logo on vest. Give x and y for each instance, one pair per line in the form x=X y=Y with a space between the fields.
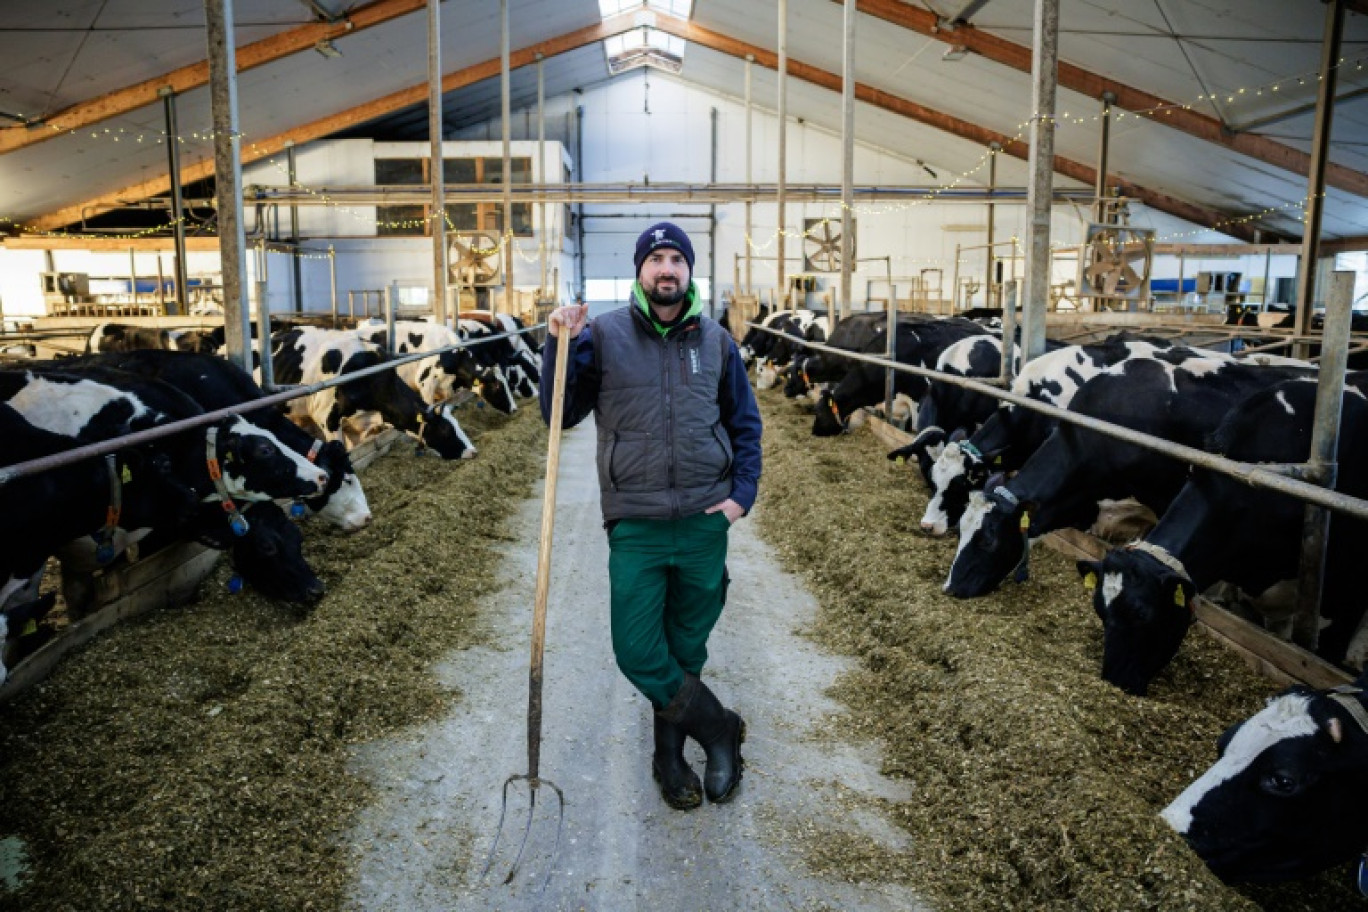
x=694 y=366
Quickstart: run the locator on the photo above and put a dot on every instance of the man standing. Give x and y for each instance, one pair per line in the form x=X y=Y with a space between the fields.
x=678 y=463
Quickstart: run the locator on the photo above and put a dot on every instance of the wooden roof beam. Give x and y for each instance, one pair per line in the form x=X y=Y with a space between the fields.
x=130 y=98
x=1191 y=212
x=1142 y=104
x=263 y=148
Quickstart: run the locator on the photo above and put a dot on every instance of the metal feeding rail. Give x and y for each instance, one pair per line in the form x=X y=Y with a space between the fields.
x=1283 y=478
x=67 y=457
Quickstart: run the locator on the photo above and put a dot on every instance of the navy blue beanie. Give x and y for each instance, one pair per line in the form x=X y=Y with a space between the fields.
x=663 y=234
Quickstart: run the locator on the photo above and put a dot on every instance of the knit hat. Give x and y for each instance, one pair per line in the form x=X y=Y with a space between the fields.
x=663 y=234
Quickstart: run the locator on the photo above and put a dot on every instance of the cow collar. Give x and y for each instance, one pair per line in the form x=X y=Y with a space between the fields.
x=236 y=521
x=1162 y=555
x=836 y=413
x=297 y=509
x=967 y=447
x=104 y=539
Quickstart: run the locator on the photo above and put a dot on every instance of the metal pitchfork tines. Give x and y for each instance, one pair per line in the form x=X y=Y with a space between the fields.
x=533 y=777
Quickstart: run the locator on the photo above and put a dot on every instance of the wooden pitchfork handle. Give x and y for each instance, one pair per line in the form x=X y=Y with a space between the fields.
x=548 y=521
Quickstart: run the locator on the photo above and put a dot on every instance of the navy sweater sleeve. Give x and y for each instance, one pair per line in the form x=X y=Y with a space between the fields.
x=581 y=378
x=741 y=418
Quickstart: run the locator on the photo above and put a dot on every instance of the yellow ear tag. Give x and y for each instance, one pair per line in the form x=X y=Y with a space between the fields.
x=899 y=461
x=227 y=457
x=1090 y=581
x=1025 y=521
x=30 y=628
x=127 y=475
x=1178 y=598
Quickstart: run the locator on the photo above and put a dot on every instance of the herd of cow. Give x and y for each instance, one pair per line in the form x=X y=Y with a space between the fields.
x=222 y=484
x=1288 y=794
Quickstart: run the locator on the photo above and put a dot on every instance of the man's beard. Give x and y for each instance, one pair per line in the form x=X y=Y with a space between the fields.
x=667 y=298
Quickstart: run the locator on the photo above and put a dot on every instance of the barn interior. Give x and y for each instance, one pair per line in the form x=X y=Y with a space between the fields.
x=1189 y=170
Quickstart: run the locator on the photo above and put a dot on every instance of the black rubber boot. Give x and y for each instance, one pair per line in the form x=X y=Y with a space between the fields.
x=679 y=784
x=701 y=716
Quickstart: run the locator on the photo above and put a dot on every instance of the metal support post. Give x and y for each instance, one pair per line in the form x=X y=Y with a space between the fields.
x=750 y=287
x=993 y=150
x=1045 y=61
x=332 y=280
x=1104 y=148
x=181 y=303
x=436 y=162
x=228 y=178
x=1320 y=154
x=892 y=331
x=847 y=157
x=296 y=268
x=263 y=322
x=505 y=116
x=712 y=224
x=782 y=74
x=541 y=175
x=391 y=302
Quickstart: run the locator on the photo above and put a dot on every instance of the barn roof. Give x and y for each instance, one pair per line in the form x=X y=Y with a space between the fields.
x=1217 y=95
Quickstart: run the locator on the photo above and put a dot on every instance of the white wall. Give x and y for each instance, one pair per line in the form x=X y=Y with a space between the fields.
x=21 y=292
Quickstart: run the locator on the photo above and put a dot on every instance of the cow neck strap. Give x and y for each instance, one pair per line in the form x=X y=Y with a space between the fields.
x=314 y=450
x=967 y=447
x=236 y=521
x=104 y=539
x=836 y=412
x=1347 y=696
x=1162 y=556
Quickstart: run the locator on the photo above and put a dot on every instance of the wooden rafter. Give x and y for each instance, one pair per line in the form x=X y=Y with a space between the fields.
x=130 y=98
x=416 y=94
x=1143 y=104
x=1191 y=212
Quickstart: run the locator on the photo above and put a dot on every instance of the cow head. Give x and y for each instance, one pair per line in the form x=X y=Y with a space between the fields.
x=20 y=634
x=960 y=470
x=495 y=390
x=1288 y=795
x=520 y=382
x=270 y=557
x=438 y=430
x=829 y=422
x=343 y=502
x=926 y=448
x=1145 y=607
x=797 y=383
x=257 y=466
x=767 y=374
x=993 y=542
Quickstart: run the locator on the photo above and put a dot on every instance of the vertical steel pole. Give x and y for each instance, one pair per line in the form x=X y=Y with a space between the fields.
x=296 y=268
x=223 y=101
x=712 y=224
x=1320 y=154
x=332 y=280
x=847 y=157
x=1103 y=149
x=505 y=117
x=132 y=279
x=1045 y=62
x=182 y=296
x=264 y=323
x=993 y=151
x=1324 y=470
x=541 y=173
x=436 y=163
x=781 y=186
x=750 y=204
x=892 y=353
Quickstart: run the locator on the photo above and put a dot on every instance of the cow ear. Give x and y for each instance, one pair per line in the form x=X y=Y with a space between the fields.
x=1091 y=572
x=958 y=434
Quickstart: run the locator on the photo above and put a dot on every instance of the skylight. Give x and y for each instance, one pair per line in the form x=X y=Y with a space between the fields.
x=645 y=46
x=681 y=8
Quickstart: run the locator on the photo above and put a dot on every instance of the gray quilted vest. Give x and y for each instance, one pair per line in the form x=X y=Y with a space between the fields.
x=662 y=450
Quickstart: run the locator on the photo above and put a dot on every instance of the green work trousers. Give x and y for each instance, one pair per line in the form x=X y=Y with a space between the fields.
x=669 y=581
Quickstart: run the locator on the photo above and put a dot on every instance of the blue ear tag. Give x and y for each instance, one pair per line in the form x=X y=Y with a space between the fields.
x=479 y=403
x=238 y=525
x=104 y=553
x=234 y=584
x=1363 y=875
x=297 y=510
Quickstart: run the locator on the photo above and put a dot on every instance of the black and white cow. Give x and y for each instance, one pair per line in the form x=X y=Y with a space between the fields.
x=520 y=364
x=214 y=384
x=1219 y=529
x=865 y=332
x=802 y=327
x=438 y=378
x=309 y=355
x=270 y=557
x=918 y=344
x=1010 y=435
x=1288 y=795
x=1179 y=395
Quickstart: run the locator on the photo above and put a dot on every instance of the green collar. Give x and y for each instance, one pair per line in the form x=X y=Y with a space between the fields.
x=694 y=307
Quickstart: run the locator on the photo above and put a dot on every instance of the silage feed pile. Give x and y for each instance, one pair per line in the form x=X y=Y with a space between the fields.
x=195 y=758
x=1036 y=785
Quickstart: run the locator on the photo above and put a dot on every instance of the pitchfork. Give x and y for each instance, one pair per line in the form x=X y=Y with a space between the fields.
x=533 y=776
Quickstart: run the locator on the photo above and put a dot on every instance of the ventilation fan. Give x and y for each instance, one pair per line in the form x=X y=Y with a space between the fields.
x=474 y=259
x=822 y=245
x=1116 y=262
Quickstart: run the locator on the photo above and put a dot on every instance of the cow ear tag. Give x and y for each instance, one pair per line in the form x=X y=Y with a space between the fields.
x=899 y=461
x=1179 y=598
x=296 y=510
x=104 y=553
x=234 y=584
x=126 y=475
x=1025 y=522
x=1090 y=581
x=32 y=627
x=238 y=525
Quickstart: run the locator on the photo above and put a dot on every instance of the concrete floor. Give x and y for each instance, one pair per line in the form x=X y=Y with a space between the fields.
x=422 y=845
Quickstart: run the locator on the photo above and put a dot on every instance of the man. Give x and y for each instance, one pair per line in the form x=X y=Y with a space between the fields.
x=678 y=463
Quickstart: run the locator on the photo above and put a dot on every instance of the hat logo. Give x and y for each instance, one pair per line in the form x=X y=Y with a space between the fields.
x=659 y=235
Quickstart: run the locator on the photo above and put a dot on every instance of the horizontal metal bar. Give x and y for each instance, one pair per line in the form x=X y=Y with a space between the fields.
x=1271 y=477
x=417 y=195
x=68 y=457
